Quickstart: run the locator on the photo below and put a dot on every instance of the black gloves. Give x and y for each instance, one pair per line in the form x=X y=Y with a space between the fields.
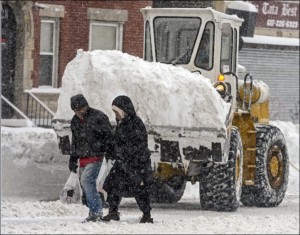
x=73 y=165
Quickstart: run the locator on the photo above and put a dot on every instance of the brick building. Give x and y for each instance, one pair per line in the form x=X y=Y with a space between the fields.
x=39 y=38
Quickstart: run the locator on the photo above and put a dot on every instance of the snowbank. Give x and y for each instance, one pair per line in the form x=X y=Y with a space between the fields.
x=29 y=145
x=291 y=134
x=32 y=167
x=163 y=95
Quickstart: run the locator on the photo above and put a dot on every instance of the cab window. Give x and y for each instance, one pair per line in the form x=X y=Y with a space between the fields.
x=174 y=38
x=204 y=58
x=148 y=49
x=226 y=48
x=235 y=49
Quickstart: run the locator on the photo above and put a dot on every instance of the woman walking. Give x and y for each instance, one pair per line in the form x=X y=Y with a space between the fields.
x=131 y=173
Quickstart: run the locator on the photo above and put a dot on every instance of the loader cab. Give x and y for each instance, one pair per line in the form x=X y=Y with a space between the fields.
x=201 y=40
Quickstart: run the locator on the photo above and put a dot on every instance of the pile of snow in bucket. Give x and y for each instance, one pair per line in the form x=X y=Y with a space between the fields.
x=162 y=94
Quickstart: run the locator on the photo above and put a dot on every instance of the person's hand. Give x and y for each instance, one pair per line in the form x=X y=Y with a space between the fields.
x=73 y=166
x=110 y=156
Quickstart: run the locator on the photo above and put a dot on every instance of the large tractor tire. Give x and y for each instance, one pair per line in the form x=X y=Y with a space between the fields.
x=221 y=184
x=167 y=191
x=272 y=169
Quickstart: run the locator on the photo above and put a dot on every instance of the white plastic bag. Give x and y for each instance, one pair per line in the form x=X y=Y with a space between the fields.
x=103 y=173
x=72 y=191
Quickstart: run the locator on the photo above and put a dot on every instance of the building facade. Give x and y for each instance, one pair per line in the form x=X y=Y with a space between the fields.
x=39 y=38
x=271 y=54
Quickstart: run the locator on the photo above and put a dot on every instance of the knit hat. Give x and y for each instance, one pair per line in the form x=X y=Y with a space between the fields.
x=78 y=101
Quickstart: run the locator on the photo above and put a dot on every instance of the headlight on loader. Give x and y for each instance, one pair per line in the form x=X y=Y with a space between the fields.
x=222 y=88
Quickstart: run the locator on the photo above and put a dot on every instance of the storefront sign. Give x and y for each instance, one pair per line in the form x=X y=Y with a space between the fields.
x=277 y=14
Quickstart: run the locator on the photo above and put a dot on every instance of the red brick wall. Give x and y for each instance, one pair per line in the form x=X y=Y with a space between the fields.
x=74 y=30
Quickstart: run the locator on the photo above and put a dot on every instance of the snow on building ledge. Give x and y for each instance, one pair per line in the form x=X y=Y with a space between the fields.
x=242 y=6
x=43 y=89
x=269 y=40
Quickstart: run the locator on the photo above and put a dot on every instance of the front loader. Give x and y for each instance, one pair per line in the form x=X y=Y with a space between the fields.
x=250 y=165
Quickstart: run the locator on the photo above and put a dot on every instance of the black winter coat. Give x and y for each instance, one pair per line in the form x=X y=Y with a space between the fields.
x=92 y=137
x=133 y=164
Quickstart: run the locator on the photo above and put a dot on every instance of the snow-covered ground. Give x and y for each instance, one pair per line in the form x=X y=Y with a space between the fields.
x=184 y=217
x=32 y=178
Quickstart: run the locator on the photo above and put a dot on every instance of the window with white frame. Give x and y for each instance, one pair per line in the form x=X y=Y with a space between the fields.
x=105 y=36
x=49 y=52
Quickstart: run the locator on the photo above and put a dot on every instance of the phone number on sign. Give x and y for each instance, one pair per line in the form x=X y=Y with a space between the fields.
x=282 y=24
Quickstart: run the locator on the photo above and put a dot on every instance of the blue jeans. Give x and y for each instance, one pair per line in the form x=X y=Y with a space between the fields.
x=88 y=177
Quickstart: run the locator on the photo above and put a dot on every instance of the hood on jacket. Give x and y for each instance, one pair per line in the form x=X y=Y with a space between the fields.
x=78 y=101
x=124 y=103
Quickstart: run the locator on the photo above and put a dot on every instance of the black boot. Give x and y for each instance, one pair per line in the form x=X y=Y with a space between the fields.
x=146 y=218
x=93 y=217
x=112 y=215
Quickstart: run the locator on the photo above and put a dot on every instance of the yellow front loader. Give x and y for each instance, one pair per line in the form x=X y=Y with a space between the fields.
x=251 y=166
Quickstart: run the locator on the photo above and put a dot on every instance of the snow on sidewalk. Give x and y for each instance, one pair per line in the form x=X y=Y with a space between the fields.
x=180 y=218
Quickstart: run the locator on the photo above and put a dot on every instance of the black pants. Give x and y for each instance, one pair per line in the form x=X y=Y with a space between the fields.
x=142 y=200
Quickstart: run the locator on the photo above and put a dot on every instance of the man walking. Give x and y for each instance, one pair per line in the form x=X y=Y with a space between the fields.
x=92 y=139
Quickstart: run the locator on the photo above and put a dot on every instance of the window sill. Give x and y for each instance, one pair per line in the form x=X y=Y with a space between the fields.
x=43 y=90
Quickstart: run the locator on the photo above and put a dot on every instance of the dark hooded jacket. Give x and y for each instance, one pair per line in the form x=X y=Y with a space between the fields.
x=92 y=136
x=133 y=164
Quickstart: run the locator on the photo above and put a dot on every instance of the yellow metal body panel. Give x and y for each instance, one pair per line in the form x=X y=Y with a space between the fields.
x=260 y=112
x=243 y=121
x=165 y=171
x=259 y=102
x=255 y=93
